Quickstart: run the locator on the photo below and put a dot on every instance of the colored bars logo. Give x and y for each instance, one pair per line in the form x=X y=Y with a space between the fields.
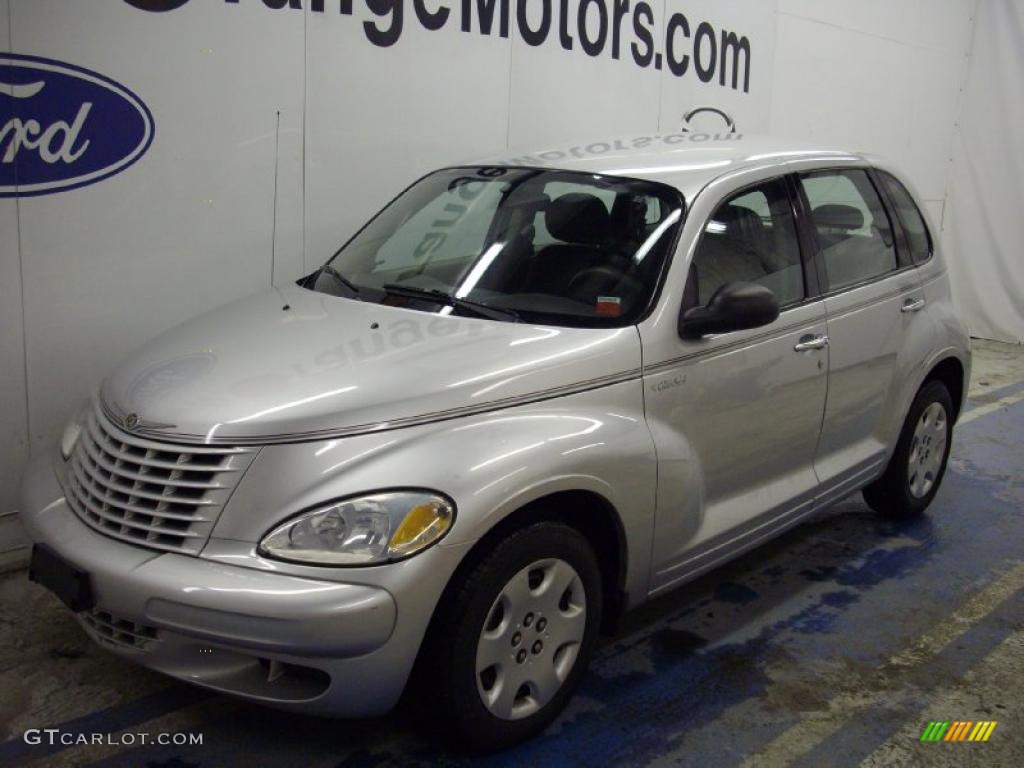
x=958 y=730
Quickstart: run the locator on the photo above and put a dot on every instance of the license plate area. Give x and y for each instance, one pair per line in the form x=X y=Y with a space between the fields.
x=68 y=582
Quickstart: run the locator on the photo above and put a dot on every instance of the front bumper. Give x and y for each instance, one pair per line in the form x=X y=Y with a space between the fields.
x=301 y=643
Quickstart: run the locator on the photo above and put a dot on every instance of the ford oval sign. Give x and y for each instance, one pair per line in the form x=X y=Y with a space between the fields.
x=63 y=127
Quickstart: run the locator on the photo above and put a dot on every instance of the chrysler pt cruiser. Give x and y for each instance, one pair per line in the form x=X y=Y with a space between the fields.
x=527 y=396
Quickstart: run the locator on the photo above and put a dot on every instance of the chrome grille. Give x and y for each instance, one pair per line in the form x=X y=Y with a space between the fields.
x=155 y=494
x=122 y=633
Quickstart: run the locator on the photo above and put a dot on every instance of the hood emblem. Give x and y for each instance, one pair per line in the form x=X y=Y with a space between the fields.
x=130 y=422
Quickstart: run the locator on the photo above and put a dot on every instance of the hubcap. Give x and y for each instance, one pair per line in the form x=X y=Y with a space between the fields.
x=531 y=639
x=926 y=450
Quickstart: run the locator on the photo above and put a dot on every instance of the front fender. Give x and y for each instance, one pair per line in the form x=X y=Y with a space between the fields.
x=490 y=464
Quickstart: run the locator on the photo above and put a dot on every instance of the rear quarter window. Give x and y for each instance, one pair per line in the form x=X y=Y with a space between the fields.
x=919 y=239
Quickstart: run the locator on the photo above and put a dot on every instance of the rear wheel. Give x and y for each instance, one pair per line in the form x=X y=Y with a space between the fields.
x=509 y=647
x=918 y=464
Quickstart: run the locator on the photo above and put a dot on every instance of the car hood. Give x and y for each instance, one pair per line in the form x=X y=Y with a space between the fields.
x=295 y=364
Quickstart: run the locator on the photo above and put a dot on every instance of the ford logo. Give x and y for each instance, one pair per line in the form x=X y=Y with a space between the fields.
x=158 y=6
x=63 y=127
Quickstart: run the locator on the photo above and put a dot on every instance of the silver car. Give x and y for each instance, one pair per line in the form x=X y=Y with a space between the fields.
x=528 y=395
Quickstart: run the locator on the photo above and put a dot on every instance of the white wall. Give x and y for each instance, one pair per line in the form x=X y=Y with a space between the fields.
x=13 y=403
x=984 y=228
x=443 y=97
x=109 y=265
x=877 y=76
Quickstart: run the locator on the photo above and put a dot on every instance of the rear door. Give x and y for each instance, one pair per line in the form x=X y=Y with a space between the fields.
x=872 y=301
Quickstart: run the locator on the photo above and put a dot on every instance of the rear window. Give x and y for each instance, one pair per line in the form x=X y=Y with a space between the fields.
x=919 y=239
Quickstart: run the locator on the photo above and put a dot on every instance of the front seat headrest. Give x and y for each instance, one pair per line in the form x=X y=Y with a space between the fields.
x=578 y=218
x=628 y=217
x=742 y=223
x=836 y=216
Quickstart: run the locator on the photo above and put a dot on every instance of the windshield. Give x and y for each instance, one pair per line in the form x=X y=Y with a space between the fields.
x=552 y=247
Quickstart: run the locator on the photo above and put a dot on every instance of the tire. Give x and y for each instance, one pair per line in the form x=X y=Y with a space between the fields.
x=511 y=598
x=918 y=464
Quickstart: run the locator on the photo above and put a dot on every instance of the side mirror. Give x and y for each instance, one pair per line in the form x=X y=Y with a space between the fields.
x=734 y=307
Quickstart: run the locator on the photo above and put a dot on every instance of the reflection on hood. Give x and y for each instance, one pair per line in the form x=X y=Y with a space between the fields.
x=252 y=370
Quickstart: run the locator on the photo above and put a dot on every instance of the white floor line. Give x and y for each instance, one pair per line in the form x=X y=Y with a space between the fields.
x=808 y=733
x=984 y=410
x=955 y=701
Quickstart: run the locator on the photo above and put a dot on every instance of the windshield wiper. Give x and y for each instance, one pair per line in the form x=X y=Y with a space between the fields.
x=352 y=288
x=433 y=294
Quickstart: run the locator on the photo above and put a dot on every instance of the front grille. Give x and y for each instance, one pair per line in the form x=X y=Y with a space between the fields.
x=158 y=495
x=122 y=633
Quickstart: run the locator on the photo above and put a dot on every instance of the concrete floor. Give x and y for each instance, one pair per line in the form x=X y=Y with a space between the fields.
x=835 y=645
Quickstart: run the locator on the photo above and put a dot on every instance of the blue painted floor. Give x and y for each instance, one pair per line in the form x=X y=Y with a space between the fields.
x=810 y=651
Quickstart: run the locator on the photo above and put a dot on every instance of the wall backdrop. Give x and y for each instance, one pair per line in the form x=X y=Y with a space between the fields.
x=161 y=157
x=984 y=226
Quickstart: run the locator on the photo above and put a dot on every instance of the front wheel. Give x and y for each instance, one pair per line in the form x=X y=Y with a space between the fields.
x=511 y=644
x=918 y=464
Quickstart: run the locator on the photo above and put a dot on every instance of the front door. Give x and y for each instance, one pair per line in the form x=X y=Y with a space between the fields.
x=736 y=416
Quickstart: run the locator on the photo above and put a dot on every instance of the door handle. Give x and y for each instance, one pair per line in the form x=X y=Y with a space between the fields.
x=912 y=305
x=810 y=342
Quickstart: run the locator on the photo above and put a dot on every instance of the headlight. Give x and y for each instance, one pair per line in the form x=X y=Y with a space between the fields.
x=72 y=431
x=363 y=530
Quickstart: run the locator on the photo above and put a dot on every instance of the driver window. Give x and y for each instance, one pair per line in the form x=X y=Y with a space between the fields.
x=750 y=237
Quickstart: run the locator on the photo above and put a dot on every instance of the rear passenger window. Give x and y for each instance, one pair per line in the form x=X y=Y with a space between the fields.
x=919 y=241
x=854 y=232
x=750 y=237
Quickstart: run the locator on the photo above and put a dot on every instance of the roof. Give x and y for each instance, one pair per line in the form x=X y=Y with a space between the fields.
x=685 y=160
